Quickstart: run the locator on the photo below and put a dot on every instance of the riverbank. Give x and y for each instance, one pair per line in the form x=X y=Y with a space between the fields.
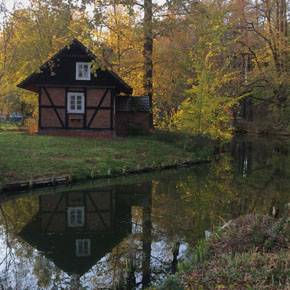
x=251 y=252
x=28 y=157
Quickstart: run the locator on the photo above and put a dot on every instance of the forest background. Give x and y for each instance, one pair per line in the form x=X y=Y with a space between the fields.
x=209 y=67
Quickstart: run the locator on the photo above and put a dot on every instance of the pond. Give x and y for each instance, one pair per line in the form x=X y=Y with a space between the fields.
x=128 y=233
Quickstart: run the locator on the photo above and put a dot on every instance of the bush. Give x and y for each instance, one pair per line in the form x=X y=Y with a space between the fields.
x=251 y=252
x=201 y=145
x=168 y=136
x=32 y=125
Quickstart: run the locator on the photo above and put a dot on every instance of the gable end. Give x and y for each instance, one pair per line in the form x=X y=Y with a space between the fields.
x=60 y=71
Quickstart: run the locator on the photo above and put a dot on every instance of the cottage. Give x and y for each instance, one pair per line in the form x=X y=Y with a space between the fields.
x=74 y=101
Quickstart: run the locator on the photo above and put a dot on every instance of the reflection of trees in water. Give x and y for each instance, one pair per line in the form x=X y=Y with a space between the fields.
x=253 y=179
x=181 y=208
x=12 y=267
x=135 y=262
x=146 y=241
x=188 y=205
x=21 y=266
x=128 y=264
x=265 y=180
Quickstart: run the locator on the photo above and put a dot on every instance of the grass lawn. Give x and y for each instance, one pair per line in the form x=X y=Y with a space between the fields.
x=24 y=156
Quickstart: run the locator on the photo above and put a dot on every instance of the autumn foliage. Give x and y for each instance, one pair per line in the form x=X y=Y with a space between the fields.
x=211 y=63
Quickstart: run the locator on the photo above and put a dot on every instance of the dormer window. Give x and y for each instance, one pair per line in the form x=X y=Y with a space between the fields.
x=83 y=71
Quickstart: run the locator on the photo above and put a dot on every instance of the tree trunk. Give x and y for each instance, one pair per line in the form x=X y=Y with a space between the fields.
x=23 y=116
x=147 y=53
x=175 y=253
x=147 y=240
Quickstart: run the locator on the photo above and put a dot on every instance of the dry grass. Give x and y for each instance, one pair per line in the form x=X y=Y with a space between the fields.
x=258 y=233
x=251 y=252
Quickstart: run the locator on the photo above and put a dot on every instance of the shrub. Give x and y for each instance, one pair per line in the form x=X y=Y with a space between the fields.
x=32 y=125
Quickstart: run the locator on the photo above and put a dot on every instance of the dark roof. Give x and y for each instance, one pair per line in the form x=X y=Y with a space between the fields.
x=61 y=72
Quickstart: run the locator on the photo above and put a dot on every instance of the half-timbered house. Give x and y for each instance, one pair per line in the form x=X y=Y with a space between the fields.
x=76 y=101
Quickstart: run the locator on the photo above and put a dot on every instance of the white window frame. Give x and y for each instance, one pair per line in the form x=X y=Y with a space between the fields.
x=80 y=248
x=74 y=95
x=80 y=67
x=74 y=210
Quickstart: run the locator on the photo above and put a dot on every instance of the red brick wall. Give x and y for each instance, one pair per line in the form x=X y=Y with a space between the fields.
x=75 y=121
x=102 y=119
x=48 y=116
x=94 y=96
x=131 y=123
x=57 y=96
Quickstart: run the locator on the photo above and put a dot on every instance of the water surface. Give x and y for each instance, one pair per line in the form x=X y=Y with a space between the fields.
x=130 y=232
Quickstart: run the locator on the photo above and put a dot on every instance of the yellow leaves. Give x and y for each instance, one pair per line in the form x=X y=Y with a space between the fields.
x=207 y=111
x=215 y=27
x=20 y=212
x=208 y=55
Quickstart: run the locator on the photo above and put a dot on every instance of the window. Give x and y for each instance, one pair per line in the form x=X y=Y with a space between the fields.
x=76 y=216
x=83 y=71
x=83 y=247
x=76 y=103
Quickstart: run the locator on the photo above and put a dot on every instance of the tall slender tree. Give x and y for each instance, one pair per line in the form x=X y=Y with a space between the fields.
x=147 y=52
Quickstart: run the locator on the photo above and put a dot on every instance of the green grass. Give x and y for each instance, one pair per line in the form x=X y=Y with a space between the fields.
x=24 y=156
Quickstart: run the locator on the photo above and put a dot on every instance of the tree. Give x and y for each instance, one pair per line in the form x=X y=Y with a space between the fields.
x=263 y=43
x=147 y=52
x=29 y=36
x=145 y=8
x=207 y=109
x=120 y=44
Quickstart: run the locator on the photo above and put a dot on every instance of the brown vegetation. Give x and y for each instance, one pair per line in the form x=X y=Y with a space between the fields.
x=251 y=252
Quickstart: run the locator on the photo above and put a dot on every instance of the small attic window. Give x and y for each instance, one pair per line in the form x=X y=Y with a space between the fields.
x=83 y=71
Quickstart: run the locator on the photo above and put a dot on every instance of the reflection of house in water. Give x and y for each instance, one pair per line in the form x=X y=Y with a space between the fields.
x=76 y=229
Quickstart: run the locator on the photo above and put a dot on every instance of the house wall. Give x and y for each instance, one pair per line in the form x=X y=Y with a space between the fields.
x=48 y=117
x=128 y=123
x=97 y=121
